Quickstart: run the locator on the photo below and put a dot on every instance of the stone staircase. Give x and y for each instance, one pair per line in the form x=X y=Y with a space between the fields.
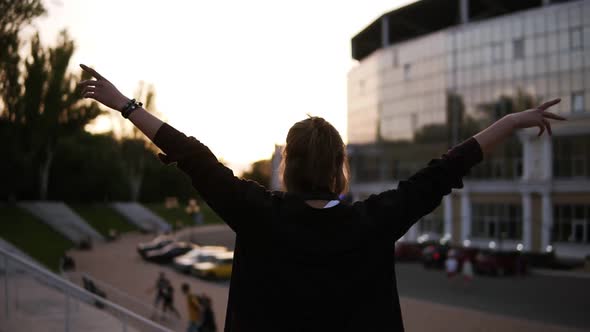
x=62 y=219
x=141 y=217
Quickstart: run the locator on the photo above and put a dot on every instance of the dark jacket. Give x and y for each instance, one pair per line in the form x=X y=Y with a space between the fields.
x=298 y=268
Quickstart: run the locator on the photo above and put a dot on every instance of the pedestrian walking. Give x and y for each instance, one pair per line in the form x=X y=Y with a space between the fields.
x=209 y=324
x=195 y=310
x=451 y=264
x=467 y=271
x=168 y=303
x=159 y=288
x=304 y=260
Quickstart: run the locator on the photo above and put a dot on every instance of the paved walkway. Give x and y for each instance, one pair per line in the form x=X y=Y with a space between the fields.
x=118 y=264
x=34 y=307
x=427 y=316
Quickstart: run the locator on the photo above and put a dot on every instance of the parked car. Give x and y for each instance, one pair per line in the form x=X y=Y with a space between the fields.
x=167 y=253
x=434 y=256
x=157 y=243
x=500 y=262
x=215 y=266
x=184 y=262
x=408 y=251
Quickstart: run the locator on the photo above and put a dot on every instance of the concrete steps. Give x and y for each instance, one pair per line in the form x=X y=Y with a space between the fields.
x=141 y=217
x=63 y=219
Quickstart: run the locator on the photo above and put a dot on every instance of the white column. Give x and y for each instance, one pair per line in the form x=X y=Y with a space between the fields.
x=465 y=215
x=412 y=234
x=527 y=164
x=547 y=158
x=546 y=219
x=384 y=31
x=464 y=7
x=448 y=216
x=527 y=213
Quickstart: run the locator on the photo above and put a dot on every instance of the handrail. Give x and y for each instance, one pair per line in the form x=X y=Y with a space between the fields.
x=74 y=290
x=119 y=292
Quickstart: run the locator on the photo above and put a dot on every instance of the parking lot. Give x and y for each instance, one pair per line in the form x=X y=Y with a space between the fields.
x=532 y=303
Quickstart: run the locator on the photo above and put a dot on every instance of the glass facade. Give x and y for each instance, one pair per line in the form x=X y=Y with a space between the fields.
x=496 y=221
x=459 y=80
x=571 y=156
x=571 y=223
x=424 y=95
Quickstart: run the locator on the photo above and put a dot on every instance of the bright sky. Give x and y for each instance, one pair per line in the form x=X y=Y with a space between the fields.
x=234 y=74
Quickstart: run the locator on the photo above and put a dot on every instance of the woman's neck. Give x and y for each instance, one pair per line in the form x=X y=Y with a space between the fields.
x=318 y=204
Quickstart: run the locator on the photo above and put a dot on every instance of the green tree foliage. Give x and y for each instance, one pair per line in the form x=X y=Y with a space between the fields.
x=14 y=16
x=260 y=171
x=135 y=144
x=45 y=109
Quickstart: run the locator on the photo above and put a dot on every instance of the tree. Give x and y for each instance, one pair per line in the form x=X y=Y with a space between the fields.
x=134 y=144
x=15 y=16
x=260 y=171
x=45 y=108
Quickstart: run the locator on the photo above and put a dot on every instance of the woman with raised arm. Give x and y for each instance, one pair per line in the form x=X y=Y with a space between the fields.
x=304 y=260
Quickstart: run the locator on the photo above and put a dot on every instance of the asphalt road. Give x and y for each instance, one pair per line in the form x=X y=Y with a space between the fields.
x=562 y=302
x=557 y=300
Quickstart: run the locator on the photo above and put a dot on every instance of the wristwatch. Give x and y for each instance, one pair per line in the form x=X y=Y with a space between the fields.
x=131 y=106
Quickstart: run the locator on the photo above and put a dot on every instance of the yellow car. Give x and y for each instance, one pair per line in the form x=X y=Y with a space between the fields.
x=215 y=266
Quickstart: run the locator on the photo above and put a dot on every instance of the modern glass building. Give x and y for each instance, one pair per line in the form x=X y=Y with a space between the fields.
x=435 y=72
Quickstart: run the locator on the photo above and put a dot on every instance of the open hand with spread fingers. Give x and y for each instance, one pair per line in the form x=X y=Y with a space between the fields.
x=537 y=117
x=101 y=90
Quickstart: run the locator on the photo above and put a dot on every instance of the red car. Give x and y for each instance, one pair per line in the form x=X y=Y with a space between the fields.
x=500 y=262
x=407 y=251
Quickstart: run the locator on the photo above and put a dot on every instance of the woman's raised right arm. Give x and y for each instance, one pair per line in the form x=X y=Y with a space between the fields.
x=107 y=94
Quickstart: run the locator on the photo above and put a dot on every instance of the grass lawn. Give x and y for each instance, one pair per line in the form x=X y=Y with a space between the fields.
x=103 y=218
x=178 y=214
x=32 y=236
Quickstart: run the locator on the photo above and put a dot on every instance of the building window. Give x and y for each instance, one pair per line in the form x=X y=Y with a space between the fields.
x=576 y=38
x=432 y=223
x=571 y=156
x=414 y=121
x=497 y=52
x=368 y=168
x=407 y=71
x=577 y=102
x=518 y=48
x=571 y=223
x=504 y=163
x=496 y=221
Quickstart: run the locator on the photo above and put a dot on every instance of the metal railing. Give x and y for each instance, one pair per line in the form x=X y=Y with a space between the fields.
x=24 y=284
x=120 y=297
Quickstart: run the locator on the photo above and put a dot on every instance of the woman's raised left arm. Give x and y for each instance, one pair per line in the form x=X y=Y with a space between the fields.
x=235 y=200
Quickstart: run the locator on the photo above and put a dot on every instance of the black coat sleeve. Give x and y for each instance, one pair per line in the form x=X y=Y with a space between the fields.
x=398 y=209
x=235 y=200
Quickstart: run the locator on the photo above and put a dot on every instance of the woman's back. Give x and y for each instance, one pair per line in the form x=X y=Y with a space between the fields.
x=313 y=269
x=301 y=268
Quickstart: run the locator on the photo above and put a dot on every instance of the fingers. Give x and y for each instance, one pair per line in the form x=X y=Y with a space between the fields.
x=92 y=72
x=548 y=125
x=89 y=83
x=548 y=104
x=552 y=116
x=89 y=94
x=87 y=89
x=541 y=130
